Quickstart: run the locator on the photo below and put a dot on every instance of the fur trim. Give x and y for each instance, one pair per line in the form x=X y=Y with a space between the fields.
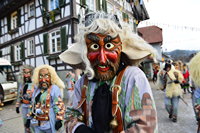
x=55 y=80
x=194 y=69
x=172 y=89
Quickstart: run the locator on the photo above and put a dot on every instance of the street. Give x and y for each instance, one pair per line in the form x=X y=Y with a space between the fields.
x=12 y=122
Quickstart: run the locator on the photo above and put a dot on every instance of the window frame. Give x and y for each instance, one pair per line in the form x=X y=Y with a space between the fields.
x=54 y=4
x=89 y=5
x=14 y=18
x=17 y=52
x=31 y=11
x=54 y=49
x=30 y=47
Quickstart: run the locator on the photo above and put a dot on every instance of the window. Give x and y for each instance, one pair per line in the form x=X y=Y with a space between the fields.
x=30 y=47
x=17 y=52
x=53 y=4
x=90 y=4
x=109 y=8
x=31 y=10
x=55 y=44
x=14 y=20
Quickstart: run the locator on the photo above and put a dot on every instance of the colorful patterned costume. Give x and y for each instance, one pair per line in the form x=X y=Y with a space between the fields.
x=25 y=92
x=114 y=94
x=51 y=111
x=47 y=108
x=24 y=99
x=135 y=101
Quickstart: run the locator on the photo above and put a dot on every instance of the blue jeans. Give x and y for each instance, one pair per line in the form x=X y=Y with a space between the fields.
x=171 y=105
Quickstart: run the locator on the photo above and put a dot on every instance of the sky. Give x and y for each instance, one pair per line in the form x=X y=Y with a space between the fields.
x=179 y=20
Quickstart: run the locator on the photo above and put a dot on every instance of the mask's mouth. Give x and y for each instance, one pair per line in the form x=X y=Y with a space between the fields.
x=103 y=68
x=44 y=85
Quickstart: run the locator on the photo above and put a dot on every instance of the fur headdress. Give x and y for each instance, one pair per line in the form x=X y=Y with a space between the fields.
x=132 y=45
x=194 y=69
x=55 y=80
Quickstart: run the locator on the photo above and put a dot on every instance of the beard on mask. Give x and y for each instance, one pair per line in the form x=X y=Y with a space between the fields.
x=27 y=80
x=44 y=87
x=108 y=74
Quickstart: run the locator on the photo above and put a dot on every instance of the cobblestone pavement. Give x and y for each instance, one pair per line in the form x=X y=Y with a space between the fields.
x=186 y=122
x=12 y=122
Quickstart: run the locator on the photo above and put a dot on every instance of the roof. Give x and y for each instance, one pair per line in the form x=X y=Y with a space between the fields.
x=151 y=34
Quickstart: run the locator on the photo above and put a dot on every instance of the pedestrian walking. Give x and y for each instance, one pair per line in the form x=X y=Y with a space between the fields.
x=170 y=79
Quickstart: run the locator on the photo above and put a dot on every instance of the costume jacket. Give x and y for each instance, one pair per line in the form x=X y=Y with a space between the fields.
x=168 y=83
x=135 y=101
x=47 y=113
x=24 y=97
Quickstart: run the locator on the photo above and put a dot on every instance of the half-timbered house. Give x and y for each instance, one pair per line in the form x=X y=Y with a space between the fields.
x=35 y=32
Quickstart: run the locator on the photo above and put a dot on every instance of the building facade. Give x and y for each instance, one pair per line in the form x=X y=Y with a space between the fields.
x=35 y=32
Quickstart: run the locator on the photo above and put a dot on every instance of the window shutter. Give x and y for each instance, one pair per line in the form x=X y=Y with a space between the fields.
x=8 y=22
x=22 y=51
x=64 y=38
x=45 y=5
x=0 y=28
x=104 y=5
x=1 y=53
x=83 y=2
x=19 y=17
x=98 y=5
x=12 y=53
x=61 y=3
x=45 y=43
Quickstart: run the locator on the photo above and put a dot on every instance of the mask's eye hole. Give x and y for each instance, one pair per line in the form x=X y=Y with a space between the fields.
x=40 y=76
x=109 y=46
x=94 y=46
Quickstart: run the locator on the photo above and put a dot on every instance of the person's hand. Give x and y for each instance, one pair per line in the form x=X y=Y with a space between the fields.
x=58 y=125
x=17 y=110
x=71 y=124
x=27 y=124
x=176 y=81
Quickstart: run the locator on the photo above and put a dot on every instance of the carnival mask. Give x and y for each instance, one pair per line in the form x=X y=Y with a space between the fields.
x=104 y=54
x=27 y=75
x=44 y=78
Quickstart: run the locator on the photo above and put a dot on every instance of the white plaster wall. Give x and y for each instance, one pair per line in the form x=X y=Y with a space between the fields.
x=52 y=62
x=39 y=22
x=32 y=63
x=67 y=11
x=31 y=24
x=38 y=12
x=38 y=50
x=22 y=19
x=39 y=61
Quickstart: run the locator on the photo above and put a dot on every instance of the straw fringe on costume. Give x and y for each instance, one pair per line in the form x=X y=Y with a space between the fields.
x=54 y=77
x=194 y=69
x=172 y=89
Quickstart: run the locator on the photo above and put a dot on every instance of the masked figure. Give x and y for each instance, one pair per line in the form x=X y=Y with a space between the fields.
x=171 y=79
x=194 y=71
x=47 y=108
x=25 y=91
x=113 y=95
